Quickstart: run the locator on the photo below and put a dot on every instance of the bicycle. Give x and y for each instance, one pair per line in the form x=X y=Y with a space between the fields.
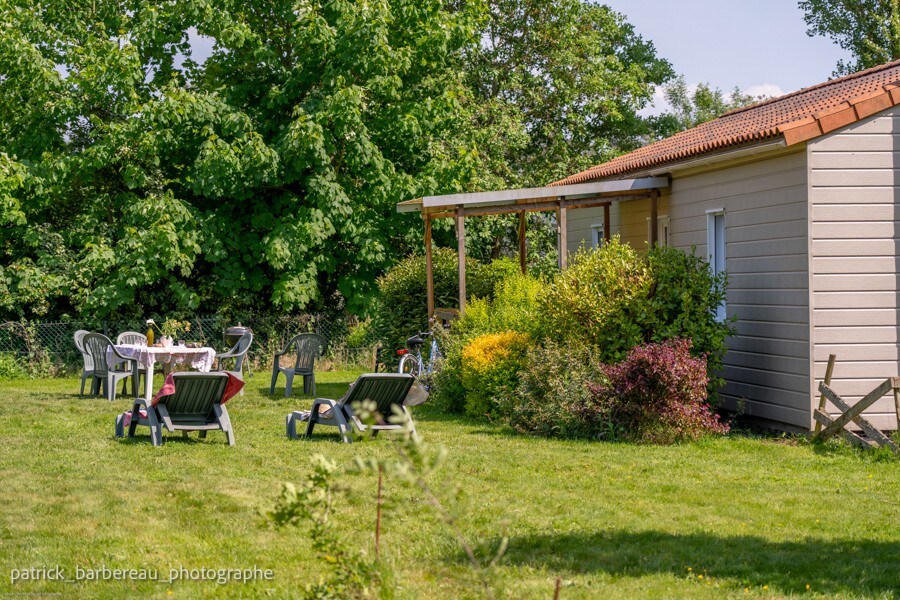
x=411 y=360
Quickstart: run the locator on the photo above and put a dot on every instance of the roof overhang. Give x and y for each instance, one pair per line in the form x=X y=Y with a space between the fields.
x=542 y=198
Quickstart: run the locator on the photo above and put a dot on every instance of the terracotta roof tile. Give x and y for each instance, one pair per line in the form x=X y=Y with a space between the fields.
x=798 y=117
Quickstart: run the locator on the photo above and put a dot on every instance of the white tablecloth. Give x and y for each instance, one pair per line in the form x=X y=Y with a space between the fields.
x=198 y=358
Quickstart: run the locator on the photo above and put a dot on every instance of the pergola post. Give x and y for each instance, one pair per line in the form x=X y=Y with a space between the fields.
x=429 y=269
x=461 y=252
x=523 y=263
x=563 y=237
x=606 y=225
x=654 y=217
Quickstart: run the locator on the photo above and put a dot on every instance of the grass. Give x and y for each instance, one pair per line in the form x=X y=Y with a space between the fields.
x=739 y=516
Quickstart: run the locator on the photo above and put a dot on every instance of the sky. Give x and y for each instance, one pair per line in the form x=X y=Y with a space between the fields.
x=760 y=46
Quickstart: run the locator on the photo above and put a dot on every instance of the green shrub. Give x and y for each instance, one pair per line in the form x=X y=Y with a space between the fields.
x=360 y=335
x=514 y=308
x=10 y=367
x=554 y=395
x=447 y=392
x=682 y=304
x=402 y=306
x=484 y=278
x=490 y=368
x=594 y=301
x=544 y=266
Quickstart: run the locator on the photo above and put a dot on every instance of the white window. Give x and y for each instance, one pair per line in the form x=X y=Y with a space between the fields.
x=597 y=236
x=715 y=244
x=662 y=230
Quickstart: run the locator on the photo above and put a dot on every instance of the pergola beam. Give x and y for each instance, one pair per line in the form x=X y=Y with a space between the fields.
x=461 y=255
x=617 y=186
x=544 y=205
x=606 y=225
x=562 y=247
x=429 y=269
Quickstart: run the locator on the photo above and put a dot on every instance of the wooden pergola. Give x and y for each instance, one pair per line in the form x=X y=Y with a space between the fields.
x=560 y=199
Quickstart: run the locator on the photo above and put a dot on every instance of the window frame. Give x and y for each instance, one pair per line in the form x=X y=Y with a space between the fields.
x=597 y=235
x=664 y=223
x=717 y=243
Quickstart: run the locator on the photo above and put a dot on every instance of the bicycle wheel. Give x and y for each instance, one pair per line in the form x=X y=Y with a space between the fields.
x=409 y=364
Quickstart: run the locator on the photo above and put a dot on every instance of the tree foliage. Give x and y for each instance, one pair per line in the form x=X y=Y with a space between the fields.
x=268 y=175
x=868 y=29
x=689 y=108
x=134 y=179
x=562 y=82
x=559 y=85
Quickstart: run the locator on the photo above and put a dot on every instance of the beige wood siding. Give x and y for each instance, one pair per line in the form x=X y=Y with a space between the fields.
x=765 y=202
x=766 y=251
x=855 y=229
x=581 y=222
x=627 y=219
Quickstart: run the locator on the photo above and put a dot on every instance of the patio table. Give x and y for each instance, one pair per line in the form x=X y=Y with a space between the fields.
x=146 y=356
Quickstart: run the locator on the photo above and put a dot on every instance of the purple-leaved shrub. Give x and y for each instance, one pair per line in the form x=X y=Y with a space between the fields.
x=658 y=394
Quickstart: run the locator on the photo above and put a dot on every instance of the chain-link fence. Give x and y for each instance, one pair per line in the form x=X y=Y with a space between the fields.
x=49 y=347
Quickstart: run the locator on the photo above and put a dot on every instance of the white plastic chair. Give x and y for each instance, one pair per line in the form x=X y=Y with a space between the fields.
x=239 y=354
x=87 y=371
x=132 y=337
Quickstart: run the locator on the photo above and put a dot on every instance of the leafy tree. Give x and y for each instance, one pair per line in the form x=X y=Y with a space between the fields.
x=136 y=180
x=868 y=29
x=562 y=82
x=357 y=100
x=93 y=217
x=558 y=87
x=691 y=108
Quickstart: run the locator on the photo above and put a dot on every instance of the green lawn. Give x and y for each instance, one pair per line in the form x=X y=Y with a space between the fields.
x=755 y=517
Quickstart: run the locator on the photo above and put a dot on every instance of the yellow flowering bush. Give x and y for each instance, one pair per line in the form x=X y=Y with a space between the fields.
x=514 y=307
x=490 y=368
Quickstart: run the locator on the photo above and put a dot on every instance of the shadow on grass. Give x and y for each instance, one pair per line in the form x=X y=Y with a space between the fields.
x=843 y=566
x=144 y=439
x=323 y=390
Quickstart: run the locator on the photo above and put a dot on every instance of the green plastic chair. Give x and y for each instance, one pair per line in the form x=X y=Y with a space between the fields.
x=307 y=347
x=105 y=377
x=239 y=354
x=385 y=389
x=196 y=405
x=87 y=370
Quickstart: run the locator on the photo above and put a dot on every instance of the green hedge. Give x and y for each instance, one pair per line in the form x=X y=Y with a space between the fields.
x=402 y=306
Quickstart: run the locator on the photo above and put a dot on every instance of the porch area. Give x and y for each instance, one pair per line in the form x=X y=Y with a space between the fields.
x=558 y=199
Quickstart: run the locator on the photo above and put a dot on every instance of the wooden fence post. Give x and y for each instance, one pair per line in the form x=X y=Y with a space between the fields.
x=828 y=371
